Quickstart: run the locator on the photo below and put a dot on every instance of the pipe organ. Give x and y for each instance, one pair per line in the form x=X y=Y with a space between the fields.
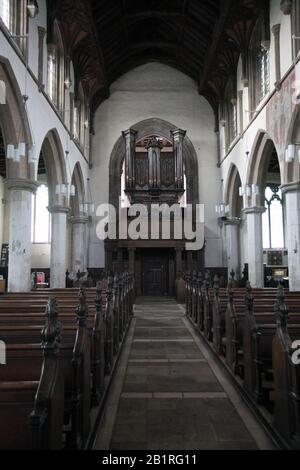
x=154 y=167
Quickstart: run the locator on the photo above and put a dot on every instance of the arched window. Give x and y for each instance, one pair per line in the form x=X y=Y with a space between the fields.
x=230 y=114
x=13 y=14
x=80 y=117
x=6 y=13
x=259 y=56
x=41 y=218
x=273 y=235
x=56 y=74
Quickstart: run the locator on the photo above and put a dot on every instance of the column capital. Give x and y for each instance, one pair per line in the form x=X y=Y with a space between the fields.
x=41 y=31
x=290 y=187
x=286 y=7
x=178 y=133
x=58 y=210
x=79 y=220
x=232 y=222
x=20 y=184
x=254 y=210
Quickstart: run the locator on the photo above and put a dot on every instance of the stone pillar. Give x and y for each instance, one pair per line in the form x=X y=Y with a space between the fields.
x=255 y=246
x=19 y=265
x=232 y=246
x=178 y=140
x=129 y=137
x=276 y=33
x=58 y=263
x=79 y=245
x=41 y=35
x=292 y=209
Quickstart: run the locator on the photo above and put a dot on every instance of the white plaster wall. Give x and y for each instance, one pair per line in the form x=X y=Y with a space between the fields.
x=157 y=91
x=40 y=256
x=277 y=17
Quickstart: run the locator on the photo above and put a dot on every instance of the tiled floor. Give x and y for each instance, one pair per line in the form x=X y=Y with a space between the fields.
x=169 y=394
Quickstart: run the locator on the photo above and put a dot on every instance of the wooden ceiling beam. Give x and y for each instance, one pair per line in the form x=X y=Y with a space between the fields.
x=225 y=8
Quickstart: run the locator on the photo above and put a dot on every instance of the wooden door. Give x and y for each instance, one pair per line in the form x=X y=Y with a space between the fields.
x=155 y=274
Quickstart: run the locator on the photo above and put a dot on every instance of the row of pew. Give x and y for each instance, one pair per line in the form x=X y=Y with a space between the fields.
x=253 y=332
x=60 y=354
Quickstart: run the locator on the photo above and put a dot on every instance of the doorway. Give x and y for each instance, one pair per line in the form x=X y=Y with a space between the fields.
x=155 y=272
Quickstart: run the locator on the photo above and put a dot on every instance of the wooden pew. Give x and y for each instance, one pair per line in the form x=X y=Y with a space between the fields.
x=234 y=320
x=32 y=411
x=286 y=377
x=87 y=350
x=25 y=362
x=257 y=343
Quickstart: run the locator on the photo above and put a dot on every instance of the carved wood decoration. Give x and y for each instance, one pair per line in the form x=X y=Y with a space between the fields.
x=142 y=171
x=167 y=170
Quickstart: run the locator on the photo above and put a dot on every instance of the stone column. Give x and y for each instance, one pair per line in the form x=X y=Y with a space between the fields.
x=41 y=35
x=58 y=263
x=79 y=245
x=292 y=209
x=255 y=246
x=276 y=33
x=232 y=245
x=20 y=204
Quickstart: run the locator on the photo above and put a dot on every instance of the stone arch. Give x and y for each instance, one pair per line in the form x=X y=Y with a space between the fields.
x=78 y=181
x=145 y=128
x=262 y=150
x=14 y=121
x=55 y=164
x=233 y=183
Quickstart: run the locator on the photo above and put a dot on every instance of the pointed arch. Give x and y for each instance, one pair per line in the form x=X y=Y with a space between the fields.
x=260 y=156
x=78 y=181
x=232 y=185
x=14 y=120
x=55 y=164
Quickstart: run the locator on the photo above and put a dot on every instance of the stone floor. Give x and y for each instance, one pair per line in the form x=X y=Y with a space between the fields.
x=169 y=394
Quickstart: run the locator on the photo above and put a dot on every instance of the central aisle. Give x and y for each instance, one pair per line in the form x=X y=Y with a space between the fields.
x=169 y=394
